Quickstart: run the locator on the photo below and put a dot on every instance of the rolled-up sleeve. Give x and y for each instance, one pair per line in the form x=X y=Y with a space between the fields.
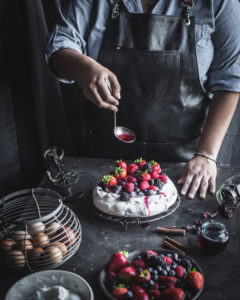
x=72 y=29
x=224 y=72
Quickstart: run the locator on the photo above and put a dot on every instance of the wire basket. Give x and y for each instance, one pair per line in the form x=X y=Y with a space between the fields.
x=37 y=231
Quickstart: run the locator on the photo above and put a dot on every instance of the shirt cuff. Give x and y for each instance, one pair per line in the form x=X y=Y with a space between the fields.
x=56 y=46
x=224 y=80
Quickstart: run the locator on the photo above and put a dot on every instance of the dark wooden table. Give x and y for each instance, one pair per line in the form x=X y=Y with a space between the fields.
x=101 y=238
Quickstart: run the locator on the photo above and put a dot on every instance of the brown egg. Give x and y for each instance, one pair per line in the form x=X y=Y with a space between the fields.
x=53 y=255
x=22 y=245
x=20 y=235
x=67 y=236
x=36 y=228
x=34 y=255
x=40 y=240
x=7 y=244
x=15 y=259
x=52 y=228
x=61 y=247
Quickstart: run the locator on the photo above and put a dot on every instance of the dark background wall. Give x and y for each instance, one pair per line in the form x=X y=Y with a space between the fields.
x=33 y=115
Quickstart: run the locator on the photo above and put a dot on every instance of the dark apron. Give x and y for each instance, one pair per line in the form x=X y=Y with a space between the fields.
x=154 y=58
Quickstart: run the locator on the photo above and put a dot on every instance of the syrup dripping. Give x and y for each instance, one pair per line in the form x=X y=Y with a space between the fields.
x=146 y=224
x=146 y=203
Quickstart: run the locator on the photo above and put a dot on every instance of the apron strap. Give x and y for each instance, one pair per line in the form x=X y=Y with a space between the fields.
x=186 y=4
x=116 y=9
x=189 y=3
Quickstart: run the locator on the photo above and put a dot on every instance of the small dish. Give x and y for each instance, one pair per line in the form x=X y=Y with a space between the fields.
x=26 y=287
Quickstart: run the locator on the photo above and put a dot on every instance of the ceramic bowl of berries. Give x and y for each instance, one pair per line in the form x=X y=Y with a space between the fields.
x=151 y=275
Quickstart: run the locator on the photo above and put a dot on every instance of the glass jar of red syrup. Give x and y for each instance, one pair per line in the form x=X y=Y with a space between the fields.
x=213 y=237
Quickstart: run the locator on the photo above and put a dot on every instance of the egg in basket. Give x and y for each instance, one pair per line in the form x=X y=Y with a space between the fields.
x=37 y=231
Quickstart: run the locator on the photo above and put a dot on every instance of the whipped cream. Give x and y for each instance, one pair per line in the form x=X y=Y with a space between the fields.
x=145 y=206
x=56 y=292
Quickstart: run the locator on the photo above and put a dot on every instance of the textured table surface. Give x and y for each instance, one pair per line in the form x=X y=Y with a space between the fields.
x=101 y=238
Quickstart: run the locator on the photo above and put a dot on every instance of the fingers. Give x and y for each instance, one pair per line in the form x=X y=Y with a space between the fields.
x=183 y=177
x=186 y=184
x=194 y=187
x=198 y=174
x=180 y=181
x=193 y=183
x=212 y=185
x=93 y=95
x=105 y=92
x=116 y=88
x=204 y=187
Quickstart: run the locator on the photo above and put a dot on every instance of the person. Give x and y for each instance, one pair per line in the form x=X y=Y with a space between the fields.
x=174 y=70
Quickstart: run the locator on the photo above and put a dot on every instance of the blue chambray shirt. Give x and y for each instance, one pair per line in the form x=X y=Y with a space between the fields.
x=217 y=34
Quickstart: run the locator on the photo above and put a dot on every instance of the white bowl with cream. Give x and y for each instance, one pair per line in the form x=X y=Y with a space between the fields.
x=49 y=285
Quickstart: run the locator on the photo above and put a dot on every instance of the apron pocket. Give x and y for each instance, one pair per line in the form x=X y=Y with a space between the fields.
x=148 y=75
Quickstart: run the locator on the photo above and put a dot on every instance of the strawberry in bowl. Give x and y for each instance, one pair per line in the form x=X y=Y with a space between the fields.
x=152 y=275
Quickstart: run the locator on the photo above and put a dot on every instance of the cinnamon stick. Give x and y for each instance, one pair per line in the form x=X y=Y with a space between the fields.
x=172 y=247
x=175 y=243
x=175 y=231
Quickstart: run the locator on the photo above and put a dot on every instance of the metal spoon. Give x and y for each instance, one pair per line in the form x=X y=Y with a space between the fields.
x=123 y=134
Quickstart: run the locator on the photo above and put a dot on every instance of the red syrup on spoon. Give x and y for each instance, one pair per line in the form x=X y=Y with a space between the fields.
x=126 y=137
x=146 y=224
